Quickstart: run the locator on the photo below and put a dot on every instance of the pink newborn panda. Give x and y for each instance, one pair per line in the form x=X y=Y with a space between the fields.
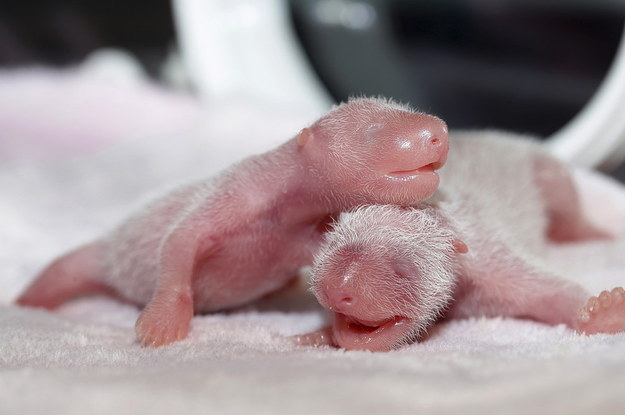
x=231 y=239
x=476 y=249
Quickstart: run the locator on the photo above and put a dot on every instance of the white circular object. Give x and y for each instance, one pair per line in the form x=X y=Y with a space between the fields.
x=596 y=136
x=246 y=48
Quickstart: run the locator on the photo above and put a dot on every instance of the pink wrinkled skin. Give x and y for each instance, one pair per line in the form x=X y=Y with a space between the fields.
x=477 y=249
x=231 y=239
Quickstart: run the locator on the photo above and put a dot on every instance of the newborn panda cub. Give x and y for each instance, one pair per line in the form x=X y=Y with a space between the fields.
x=389 y=272
x=228 y=240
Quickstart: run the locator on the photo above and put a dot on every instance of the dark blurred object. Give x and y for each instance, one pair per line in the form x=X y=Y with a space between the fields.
x=526 y=66
x=65 y=31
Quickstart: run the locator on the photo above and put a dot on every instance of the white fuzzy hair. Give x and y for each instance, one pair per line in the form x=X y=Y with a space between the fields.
x=366 y=110
x=420 y=237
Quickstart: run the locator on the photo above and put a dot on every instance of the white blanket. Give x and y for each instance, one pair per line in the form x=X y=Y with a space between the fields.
x=83 y=359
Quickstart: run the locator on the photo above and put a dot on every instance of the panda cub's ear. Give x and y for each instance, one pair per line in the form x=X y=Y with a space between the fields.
x=460 y=247
x=304 y=137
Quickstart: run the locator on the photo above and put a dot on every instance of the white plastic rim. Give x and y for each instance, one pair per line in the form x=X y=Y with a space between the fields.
x=246 y=48
x=596 y=136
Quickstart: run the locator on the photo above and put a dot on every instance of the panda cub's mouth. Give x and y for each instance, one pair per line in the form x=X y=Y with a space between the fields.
x=428 y=169
x=352 y=333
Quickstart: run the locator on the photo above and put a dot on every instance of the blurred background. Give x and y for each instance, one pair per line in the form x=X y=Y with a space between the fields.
x=523 y=65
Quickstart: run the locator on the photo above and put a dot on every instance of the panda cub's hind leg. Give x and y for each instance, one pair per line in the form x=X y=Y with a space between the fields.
x=603 y=314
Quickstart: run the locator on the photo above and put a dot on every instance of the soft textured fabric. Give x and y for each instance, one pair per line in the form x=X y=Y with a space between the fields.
x=83 y=358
